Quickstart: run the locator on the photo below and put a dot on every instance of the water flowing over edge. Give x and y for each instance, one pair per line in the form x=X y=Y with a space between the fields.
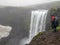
x=38 y=22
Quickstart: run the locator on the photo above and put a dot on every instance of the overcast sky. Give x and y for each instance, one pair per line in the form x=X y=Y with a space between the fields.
x=23 y=2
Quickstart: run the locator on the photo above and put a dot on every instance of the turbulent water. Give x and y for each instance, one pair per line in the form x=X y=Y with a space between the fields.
x=4 y=31
x=38 y=22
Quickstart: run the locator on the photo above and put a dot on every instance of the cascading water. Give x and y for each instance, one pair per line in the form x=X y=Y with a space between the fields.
x=38 y=21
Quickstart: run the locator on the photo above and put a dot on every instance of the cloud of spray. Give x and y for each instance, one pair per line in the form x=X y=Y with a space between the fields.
x=24 y=41
x=4 y=31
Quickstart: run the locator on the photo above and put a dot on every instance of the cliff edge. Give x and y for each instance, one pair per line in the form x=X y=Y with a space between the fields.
x=46 y=38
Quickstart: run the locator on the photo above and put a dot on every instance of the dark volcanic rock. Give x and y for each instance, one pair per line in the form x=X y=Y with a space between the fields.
x=51 y=38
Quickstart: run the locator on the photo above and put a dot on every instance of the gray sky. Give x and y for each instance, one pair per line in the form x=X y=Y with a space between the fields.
x=23 y=2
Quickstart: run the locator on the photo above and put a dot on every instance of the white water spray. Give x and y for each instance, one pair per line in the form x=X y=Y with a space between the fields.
x=38 y=22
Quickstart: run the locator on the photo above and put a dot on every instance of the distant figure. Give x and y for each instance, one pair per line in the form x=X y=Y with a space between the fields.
x=54 y=23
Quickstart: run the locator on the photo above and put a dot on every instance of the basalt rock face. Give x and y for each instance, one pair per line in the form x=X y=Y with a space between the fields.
x=48 y=21
x=48 y=38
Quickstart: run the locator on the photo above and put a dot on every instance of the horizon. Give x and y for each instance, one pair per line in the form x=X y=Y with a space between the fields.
x=23 y=3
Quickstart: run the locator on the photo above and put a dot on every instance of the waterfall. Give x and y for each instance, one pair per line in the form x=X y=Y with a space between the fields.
x=38 y=22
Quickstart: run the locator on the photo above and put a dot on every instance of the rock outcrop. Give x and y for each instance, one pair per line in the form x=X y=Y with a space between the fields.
x=47 y=38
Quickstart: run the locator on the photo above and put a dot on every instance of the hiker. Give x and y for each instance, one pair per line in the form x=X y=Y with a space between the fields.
x=54 y=23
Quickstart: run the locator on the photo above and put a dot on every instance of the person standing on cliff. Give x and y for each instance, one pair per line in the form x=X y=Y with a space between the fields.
x=54 y=23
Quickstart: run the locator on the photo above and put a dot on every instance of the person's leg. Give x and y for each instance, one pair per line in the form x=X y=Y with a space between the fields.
x=55 y=30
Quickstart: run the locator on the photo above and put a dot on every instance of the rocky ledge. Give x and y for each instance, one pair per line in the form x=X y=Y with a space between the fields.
x=46 y=38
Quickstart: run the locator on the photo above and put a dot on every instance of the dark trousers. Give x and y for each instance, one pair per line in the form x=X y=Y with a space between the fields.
x=55 y=30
